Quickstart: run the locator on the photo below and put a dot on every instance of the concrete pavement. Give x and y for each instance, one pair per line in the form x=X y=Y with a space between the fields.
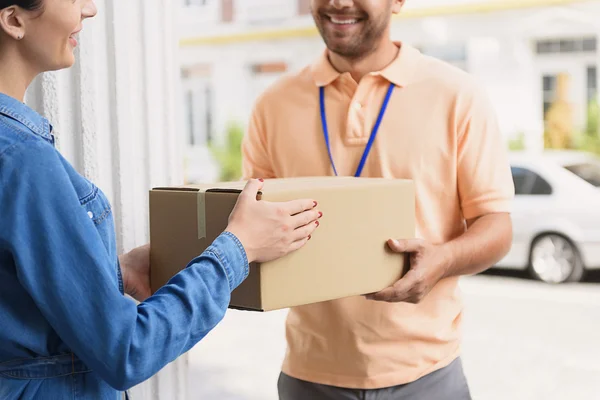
x=523 y=340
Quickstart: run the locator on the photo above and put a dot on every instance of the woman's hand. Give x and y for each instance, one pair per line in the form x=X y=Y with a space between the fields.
x=135 y=268
x=267 y=230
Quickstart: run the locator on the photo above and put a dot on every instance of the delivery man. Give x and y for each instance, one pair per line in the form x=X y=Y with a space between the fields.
x=371 y=107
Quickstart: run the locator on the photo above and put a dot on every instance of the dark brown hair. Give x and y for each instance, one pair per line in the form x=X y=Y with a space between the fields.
x=31 y=5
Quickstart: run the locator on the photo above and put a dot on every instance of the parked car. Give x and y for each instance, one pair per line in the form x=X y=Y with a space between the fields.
x=556 y=216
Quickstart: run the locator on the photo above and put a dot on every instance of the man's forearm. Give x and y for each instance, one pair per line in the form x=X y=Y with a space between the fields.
x=486 y=241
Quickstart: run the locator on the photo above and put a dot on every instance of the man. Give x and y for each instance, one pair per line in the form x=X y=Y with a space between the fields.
x=432 y=124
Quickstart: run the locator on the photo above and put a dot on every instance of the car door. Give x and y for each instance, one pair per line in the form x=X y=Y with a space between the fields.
x=533 y=201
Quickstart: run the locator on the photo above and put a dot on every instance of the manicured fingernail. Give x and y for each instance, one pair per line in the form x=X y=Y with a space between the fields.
x=261 y=180
x=314 y=204
x=309 y=237
x=317 y=222
x=320 y=214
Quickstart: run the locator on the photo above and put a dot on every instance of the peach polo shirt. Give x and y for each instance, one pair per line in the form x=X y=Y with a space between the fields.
x=439 y=130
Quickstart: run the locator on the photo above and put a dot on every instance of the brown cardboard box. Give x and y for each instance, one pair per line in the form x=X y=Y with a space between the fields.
x=347 y=255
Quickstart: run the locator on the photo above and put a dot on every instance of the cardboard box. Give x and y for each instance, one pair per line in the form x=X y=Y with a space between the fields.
x=347 y=255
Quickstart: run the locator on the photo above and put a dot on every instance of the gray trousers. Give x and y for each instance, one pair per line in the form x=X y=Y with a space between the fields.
x=448 y=383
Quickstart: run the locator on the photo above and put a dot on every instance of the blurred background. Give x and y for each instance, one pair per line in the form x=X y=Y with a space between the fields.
x=532 y=323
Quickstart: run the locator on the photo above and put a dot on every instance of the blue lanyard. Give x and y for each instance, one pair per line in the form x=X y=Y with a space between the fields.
x=363 y=160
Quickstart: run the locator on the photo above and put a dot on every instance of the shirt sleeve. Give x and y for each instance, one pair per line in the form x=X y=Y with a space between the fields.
x=484 y=178
x=62 y=262
x=256 y=161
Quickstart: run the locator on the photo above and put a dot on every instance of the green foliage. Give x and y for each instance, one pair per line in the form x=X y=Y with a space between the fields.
x=560 y=135
x=517 y=143
x=589 y=140
x=593 y=118
x=229 y=156
x=586 y=142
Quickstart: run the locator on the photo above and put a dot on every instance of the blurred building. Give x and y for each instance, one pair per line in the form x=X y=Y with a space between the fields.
x=230 y=51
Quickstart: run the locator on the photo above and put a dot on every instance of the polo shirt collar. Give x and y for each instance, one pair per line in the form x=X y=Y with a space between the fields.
x=401 y=71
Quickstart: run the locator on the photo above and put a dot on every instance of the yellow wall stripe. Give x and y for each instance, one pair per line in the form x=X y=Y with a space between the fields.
x=457 y=9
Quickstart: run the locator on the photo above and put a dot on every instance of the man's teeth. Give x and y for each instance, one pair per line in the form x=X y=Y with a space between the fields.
x=343 y=21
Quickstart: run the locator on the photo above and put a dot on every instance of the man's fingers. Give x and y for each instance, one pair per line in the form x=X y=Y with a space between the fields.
x=391 y=295
x=405 y=245
x=253 y=186
x=297 y=206
x=386 y=294
x=401 y=290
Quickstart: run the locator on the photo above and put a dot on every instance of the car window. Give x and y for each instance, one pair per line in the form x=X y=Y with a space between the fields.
x=540 y=186
x=519 y=176
x=589 y=172
x=528 y=182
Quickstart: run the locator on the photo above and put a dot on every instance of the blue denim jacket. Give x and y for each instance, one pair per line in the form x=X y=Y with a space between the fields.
x=66 y=330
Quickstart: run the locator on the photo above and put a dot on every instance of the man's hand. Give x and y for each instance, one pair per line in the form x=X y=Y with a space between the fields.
x=428 y=264
x=488 y=238
x=135 y=268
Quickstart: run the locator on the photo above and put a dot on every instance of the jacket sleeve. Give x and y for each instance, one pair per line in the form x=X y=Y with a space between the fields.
x=62 y=262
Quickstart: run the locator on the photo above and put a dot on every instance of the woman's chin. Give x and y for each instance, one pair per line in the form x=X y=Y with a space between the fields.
x=66 y=62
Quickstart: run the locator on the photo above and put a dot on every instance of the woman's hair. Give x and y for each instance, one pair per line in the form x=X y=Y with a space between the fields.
x=31 y=5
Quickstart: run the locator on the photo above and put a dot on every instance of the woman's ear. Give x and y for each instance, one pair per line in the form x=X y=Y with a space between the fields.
x=12 y=22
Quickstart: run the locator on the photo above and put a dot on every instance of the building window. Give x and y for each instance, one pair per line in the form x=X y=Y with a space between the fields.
x=208 y=112
x=189 y=108
x=266 y=12
x=589 y=44
x=592 y=83
x=198 y=100
x=548 y=91
x=199 y=3
x=570 y=45
x=198 y=103
x=592 y=97
x=262 y=76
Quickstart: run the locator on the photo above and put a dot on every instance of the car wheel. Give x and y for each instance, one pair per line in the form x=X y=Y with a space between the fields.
x=554 y=259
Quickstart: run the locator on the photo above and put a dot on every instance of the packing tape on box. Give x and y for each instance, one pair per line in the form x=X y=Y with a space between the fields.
x=201 y=214
x=231 y=187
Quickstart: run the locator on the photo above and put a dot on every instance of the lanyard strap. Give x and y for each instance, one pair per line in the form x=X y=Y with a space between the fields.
x=363 y=160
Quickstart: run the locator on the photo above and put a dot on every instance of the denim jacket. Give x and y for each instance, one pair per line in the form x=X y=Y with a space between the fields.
x=66 y=329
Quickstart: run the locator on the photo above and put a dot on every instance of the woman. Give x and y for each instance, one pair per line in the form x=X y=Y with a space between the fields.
x=66 y=330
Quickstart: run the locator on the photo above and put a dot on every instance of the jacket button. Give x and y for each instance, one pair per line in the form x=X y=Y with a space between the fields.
x=90 y=214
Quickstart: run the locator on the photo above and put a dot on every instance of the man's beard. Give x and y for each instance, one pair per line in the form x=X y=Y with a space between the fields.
x=359 y=45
